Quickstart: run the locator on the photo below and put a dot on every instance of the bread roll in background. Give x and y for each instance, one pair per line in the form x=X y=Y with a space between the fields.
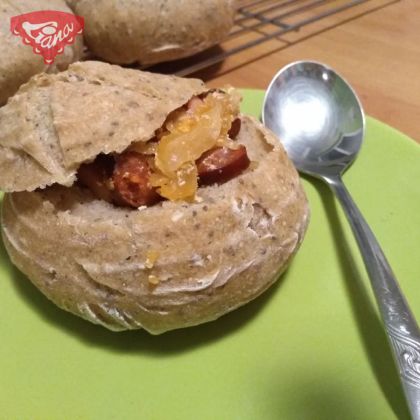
x=172 y=265
x=18 y=61
x=153 y=31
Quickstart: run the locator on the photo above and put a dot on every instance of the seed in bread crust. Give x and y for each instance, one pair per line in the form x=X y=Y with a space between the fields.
x=153 y=280
x=151 y=257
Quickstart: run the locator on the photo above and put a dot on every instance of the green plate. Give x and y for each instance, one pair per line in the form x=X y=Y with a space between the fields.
x=312 y=347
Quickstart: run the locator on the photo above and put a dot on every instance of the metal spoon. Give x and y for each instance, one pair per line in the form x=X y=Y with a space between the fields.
x=321 y=123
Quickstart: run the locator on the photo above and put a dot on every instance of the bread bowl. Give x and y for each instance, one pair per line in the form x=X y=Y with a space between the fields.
x=152 y=31
x=18 y=61
x=169 y=265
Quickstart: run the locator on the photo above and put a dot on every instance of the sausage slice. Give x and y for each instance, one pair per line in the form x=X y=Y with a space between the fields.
x=131 y=181
x=221 y=164
x=235 y=128
x=96 y=176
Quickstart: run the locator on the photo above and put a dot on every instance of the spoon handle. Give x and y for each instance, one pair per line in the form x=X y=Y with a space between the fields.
x=401 y=327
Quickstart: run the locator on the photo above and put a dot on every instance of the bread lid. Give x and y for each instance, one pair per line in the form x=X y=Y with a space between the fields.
x=54 y=123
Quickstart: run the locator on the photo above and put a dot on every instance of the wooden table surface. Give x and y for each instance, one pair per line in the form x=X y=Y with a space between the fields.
x=376 y=48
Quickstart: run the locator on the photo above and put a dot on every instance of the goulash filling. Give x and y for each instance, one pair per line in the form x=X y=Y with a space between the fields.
x=196 y=146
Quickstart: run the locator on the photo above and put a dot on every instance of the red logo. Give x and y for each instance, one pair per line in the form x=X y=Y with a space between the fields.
x=47 y=31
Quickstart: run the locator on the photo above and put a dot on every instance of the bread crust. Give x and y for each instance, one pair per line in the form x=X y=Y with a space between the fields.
x=56 y=122
x=91 y=258
x=152 y=31
x=18 y=62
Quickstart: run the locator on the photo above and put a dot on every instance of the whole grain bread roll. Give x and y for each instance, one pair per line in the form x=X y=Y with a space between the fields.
x=18 y=61
x=172 y=265
x=152 y=31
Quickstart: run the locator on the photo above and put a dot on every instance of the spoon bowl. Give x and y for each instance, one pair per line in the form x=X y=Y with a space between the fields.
x=320 y=122
x=318 y=117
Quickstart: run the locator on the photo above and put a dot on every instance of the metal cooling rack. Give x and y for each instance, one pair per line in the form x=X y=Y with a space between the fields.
x=259 y=21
